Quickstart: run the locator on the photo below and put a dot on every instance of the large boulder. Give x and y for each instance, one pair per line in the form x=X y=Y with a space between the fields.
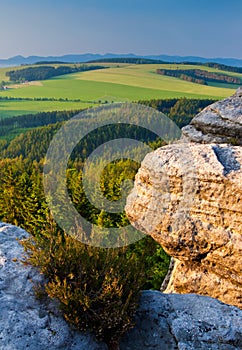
x=196 y=217
x=187 y=196
x=25 y=322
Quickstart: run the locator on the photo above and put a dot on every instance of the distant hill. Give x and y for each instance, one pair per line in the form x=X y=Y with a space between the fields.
x=235 y=62
x=129 y=60
x=20 y=60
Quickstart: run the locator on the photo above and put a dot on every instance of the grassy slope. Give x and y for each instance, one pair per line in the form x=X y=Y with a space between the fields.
x=117 y=83
x=14 y=108
x=145 y=76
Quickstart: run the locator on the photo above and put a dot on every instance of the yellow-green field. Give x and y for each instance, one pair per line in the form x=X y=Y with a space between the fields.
x=119 y=82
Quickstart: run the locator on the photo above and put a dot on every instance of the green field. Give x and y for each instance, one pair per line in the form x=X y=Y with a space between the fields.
x=14 y=108
x=119 y=82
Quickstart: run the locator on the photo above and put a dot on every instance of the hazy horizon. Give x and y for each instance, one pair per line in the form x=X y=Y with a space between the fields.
x=115 y=53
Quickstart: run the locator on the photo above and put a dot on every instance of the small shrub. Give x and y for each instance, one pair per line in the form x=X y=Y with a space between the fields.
x=98 y=288
x=235 y=141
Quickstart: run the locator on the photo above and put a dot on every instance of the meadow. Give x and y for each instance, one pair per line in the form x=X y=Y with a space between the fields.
x=119 y=82
x=15 y=108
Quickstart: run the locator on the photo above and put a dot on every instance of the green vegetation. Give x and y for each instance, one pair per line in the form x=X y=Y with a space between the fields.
x=128 y=60
x=136 y=60
x=181 y=111
x=11 y=127
x=153 y=85
x=120 y=82
x=11 y=108
x=219 y=66
x=200 y=76
x=46 y=72
x=98 y=289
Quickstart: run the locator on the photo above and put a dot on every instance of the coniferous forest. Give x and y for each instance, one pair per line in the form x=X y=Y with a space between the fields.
x=98 y=288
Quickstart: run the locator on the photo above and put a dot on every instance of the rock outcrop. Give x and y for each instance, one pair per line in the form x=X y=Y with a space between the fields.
x=163 y=321
x=25 y=322
x=220 y=122
x=184 y=322
x=187 y=196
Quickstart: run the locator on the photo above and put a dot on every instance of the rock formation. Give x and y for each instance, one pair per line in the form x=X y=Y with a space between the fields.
x=220 y=122
x=187 y=196
x=184 y=322
x=25 y=322
x=163 y=321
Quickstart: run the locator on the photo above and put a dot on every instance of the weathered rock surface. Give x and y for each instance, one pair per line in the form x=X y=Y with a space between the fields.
x=220 y=122
x=26 y=323
x=188 y=198
x=184 y=322
x=163 y=322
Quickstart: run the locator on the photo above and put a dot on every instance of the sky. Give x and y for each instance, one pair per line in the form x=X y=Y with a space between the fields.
x=208 y=28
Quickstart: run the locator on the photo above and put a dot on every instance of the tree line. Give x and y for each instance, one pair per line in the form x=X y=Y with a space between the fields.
x=140 y=60
x=215 y=65
x=129 y=60
x=181 y=111
x=46 y=72
x=60 y=99
x=200 y=76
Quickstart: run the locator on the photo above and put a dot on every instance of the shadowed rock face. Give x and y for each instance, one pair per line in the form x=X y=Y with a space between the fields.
x=187 y=196
x=220 y=122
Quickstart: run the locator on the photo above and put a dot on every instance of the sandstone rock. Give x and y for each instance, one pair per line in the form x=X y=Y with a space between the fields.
x=220 y=122
x=188 y=198
x=184 y=322
x=26 y=323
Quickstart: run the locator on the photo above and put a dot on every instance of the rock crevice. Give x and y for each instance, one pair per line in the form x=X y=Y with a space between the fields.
x=227 y=159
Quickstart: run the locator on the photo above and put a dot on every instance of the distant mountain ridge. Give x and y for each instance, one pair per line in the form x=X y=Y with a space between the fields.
x=20 y=60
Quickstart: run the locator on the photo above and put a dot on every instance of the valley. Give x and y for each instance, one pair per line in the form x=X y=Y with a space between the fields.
x=118 y=82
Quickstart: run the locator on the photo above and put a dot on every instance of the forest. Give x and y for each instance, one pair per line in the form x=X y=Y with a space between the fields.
x=129 y=60
x=181 y=111
x=219 y=66
x=135 y=60
x=46 y=72
x=200 y=76
x=98 y=288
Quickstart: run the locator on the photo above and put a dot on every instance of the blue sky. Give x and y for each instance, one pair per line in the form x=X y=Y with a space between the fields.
x=209 y=28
